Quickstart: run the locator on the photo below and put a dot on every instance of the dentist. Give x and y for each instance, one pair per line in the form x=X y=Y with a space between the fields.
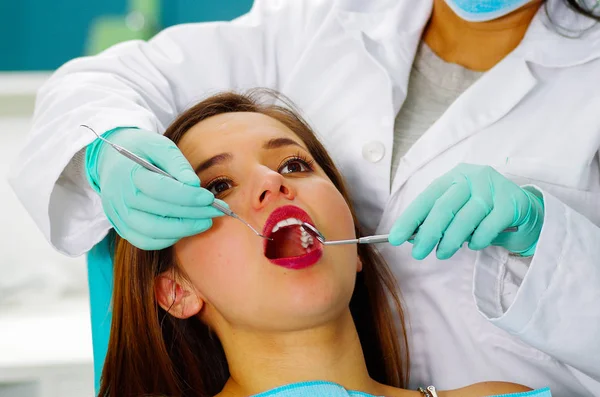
x=463 y=117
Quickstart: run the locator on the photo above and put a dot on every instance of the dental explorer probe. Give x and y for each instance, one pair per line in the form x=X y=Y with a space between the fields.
x=151 y=167
x=380 y=238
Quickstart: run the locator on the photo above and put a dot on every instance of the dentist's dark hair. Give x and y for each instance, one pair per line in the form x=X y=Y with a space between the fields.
x=578 y=7
x=152 y=353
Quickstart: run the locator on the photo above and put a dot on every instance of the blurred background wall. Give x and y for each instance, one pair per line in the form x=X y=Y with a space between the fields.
x=43 y=34
x=45 y=336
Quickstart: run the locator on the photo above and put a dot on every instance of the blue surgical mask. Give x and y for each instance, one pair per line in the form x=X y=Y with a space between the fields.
x=484 y=10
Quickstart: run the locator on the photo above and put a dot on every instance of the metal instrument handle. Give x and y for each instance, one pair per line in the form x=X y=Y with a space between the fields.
x=144 y=163
x=380 y=238
x=225 y=210
x=383 y=238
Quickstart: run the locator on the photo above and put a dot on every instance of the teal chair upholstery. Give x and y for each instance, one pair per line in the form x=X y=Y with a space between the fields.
x=100 y=280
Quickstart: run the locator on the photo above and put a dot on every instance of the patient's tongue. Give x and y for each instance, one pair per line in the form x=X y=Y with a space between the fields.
x=286 y=243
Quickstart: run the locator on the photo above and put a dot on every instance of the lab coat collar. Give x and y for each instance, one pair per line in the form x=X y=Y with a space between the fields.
x=544 y=44
x=379 y=21
x=391 y=31
x=507 y=83
x=377 y=17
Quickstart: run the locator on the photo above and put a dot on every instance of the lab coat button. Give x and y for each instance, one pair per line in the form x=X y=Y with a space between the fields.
x=373 y=151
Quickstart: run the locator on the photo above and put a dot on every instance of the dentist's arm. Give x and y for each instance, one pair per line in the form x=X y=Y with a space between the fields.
x=145 y=85
x=548 y=295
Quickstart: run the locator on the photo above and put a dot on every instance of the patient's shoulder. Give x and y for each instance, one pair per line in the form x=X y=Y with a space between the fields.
x=486 y=389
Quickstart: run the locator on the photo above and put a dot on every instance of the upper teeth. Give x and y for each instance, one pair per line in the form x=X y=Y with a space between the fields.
x=286 y=222
x=305 y=239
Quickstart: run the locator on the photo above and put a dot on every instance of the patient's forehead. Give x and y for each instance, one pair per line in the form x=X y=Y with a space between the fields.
x=232 y=133
x=238 y=126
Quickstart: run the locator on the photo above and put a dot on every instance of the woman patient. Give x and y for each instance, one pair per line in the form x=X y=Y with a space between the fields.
x=226 y=313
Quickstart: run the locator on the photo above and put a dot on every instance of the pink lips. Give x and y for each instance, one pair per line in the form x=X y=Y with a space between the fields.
x=312 y=255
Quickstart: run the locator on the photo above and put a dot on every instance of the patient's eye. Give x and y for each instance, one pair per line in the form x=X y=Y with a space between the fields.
x=296 y=163
x=219 y=185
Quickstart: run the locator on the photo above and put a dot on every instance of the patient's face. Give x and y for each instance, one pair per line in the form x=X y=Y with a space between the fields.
x=267 y=176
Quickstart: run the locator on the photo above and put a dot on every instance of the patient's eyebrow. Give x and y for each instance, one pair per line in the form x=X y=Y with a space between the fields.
x=214 y=160
x=221 y=158
x=277 y=143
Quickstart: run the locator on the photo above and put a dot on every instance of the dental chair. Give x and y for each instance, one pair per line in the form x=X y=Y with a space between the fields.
x=100 y=273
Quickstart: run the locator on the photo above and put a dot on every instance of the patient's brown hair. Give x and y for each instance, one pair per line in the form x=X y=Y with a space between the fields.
x=153 y=353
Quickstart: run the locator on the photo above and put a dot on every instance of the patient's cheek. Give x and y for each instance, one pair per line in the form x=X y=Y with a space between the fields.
x=193 y=252
x=335 y=206
x=208 y=259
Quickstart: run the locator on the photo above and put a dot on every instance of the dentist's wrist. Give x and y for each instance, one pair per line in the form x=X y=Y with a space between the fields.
x=92 y=156
x=536 y=221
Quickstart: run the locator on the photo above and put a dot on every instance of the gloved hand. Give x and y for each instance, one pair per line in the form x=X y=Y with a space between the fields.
x=471 y=203
x=149 y=210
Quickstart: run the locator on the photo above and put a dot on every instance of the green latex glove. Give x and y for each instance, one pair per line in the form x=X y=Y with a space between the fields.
x=474 y=204
x=149 y=210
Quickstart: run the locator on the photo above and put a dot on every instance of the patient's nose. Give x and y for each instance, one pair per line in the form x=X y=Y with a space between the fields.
x=273 y=186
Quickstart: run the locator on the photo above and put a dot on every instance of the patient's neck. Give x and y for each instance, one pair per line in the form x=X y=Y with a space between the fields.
x=260 y=362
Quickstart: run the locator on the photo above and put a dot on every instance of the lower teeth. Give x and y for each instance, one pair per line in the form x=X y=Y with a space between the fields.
x=306 y=239
x=306 y=244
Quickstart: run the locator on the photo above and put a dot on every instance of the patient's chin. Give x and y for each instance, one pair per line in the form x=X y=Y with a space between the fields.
x=310 y=308
x=277 y=299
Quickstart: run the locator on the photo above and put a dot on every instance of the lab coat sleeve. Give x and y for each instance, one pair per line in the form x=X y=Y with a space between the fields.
x=146 y=84
x=556 y=308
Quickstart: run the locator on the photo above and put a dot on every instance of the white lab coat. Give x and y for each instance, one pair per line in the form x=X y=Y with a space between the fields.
x=534 y=117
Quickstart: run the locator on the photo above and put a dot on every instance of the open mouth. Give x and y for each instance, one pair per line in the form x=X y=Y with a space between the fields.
x=291 y=246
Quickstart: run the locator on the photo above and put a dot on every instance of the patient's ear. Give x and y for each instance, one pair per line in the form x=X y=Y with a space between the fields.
x=176 y=296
